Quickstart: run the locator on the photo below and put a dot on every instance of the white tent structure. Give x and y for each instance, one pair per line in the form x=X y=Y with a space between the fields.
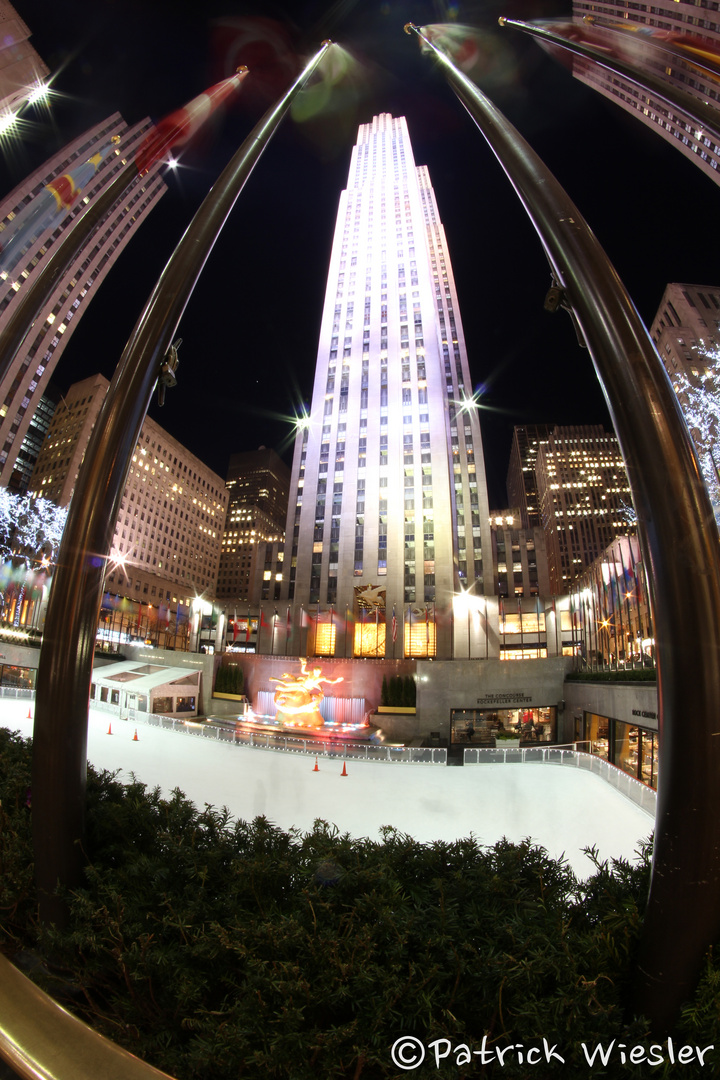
x=145 y=688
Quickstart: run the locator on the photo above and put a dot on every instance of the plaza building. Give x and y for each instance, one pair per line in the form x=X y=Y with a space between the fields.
x=522 y=489
x=33 y=439
x=167 y=541
x=258 y=483
x=584 y=497
x=24 y=382
x=695 y=24
x=388 y=520
x=687 y=322
x=520 y=565
x=21 y=69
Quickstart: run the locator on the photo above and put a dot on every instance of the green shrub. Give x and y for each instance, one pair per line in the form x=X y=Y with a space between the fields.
x=645 y=674
x=409 y=692
x=225 y=949
x=229 y=679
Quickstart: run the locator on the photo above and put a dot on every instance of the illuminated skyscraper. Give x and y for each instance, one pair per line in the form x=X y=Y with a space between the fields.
x=388 y=503
x=21 y=69
x=25 y=381
x=693 y=23
x=584 y=498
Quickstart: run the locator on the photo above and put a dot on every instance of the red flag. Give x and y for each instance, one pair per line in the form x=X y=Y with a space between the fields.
x=262 y=618
x=179 y=127
x=235 y=629
x=247 y=628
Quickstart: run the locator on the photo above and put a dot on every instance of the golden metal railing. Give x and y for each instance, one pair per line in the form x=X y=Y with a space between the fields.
x=40 y=1040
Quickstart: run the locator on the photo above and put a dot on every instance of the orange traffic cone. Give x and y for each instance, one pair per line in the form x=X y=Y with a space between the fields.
x=344 y=772
x=109 y=729
x=135 y=738
x=29 y=715
x=316 y=769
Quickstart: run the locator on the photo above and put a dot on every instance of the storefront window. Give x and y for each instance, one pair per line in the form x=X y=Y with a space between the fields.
x=163 y=705
x=185 y=704
x=597 y=735
x=23 y=678
x=636 y=752
x=480 y=727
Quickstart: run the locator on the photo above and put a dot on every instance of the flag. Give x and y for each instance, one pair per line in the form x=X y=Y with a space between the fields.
x=394 y=626
x=304 y=618
x=235 y=626
x=247 y=628
x=176 y=130
x=262 y=618
x=289 y=620
x=48 y=209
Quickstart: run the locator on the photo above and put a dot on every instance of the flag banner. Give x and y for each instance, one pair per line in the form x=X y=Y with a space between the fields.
x=176 y=130
x=394 y=625
x=47 y=210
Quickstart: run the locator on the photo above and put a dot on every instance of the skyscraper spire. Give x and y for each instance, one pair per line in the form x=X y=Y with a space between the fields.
x=388 y=498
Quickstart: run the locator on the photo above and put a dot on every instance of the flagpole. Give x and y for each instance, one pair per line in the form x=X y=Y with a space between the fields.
x=65 y=668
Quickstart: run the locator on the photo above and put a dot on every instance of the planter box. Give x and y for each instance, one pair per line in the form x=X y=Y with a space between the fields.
x=408 y=710
x=230 y=697
x=507 y=744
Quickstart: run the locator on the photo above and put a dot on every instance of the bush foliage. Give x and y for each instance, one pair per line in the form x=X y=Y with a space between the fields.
x=229 y=679
x=215 y=948
x=398 y=690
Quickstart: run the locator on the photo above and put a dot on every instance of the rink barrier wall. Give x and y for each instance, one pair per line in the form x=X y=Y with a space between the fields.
x=642 y=795
x=337 y=748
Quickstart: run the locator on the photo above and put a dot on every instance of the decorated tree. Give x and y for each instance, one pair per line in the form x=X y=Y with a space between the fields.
x=30 y=533
x=699 y=396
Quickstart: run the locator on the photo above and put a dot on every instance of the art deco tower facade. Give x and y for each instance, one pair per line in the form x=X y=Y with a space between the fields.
x=24 y=382
x=388 y=503
x=694 y=23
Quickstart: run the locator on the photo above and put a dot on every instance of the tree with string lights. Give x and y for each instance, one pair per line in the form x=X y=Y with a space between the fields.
x=699 y=396
x=30 y=532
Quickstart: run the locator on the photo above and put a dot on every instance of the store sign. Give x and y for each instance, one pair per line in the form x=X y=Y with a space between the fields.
x=504 y=699
x=647 y=715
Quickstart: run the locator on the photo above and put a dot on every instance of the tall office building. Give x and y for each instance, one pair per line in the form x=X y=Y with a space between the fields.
x=388 y=502
x=258 y=482
x=584 y=498
x=21 y=69
x=166 y=546
x=687 y=321
x=520 y=565
x=698 y=19
x=522 y=488
x=25 y=381
x=34 y=438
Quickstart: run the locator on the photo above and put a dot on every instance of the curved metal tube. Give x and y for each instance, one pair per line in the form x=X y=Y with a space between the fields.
x=679 y=541
x=65 y=667
x=702 y=113
x=40 y=1040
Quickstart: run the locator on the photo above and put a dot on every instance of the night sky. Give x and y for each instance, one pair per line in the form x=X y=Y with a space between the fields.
x=250 y=330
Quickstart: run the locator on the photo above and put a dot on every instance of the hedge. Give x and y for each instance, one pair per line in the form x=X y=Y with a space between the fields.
x=225 y=949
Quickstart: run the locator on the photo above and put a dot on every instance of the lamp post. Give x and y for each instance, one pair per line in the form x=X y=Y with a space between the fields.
x=64 y=671
x=679 y=542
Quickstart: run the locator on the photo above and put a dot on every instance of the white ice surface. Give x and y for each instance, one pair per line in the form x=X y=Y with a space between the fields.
x=560 y=807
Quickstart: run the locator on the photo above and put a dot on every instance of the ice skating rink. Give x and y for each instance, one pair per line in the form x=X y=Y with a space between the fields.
x=562 y=808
